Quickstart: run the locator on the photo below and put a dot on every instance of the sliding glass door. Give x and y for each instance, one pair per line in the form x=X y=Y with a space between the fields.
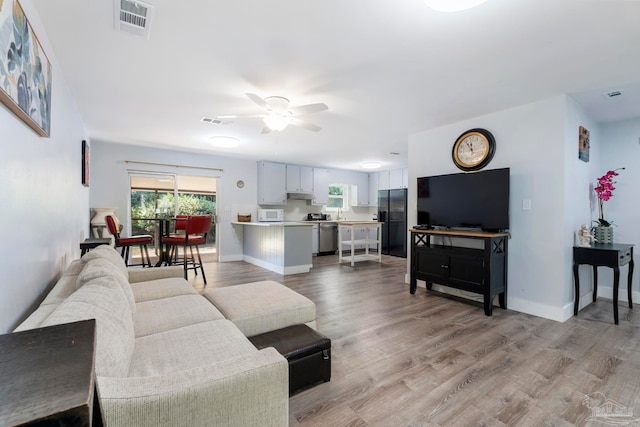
x=157 y=197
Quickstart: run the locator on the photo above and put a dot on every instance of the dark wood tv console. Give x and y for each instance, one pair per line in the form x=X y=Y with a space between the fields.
x=482 y=271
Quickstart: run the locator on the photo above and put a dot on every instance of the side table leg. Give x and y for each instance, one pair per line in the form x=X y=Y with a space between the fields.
x=629 y=282
x=616 y=282
x=576 y=282
x=595 y=283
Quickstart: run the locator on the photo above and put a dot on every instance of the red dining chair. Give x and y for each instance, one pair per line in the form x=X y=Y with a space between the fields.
x=126 y=242
x=179 y=227
x=196 y=229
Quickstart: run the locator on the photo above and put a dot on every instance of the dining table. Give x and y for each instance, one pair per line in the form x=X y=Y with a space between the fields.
x=162 y=228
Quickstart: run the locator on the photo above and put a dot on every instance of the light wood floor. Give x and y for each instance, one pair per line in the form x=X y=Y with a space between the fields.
x=429 y=360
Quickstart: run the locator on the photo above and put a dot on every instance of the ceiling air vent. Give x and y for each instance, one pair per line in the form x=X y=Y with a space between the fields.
x=215 y=121
x=612 y=94
x=133 y=17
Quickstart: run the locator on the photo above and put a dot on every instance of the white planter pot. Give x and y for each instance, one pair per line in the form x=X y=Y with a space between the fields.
x=603 y=234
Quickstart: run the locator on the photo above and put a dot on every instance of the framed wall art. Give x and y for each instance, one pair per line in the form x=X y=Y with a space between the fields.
x=85 y=163
x=25 y=70
x=583 y=144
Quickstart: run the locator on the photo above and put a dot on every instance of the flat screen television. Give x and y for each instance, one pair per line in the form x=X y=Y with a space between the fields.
x=477 y=200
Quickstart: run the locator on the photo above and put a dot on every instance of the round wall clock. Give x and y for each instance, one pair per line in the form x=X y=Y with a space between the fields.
x=474 y=149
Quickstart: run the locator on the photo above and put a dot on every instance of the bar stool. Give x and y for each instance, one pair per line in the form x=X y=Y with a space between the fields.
x=126 y=242
x=196 y=229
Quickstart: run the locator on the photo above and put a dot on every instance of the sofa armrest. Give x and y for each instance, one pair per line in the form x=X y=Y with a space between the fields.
x=249 y=390
x=155 y=273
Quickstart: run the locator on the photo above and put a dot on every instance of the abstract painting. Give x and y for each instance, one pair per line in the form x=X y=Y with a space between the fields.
x=86 y=156
x=25 y=70
x=583 y=144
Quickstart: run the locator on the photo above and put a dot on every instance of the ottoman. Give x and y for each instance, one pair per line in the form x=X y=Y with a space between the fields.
x=260 y=307
x=307 y=351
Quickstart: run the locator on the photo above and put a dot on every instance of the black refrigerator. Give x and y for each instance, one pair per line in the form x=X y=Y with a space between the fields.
x=392 y=212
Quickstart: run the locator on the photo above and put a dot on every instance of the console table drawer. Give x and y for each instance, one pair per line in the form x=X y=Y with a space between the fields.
x=624 y=257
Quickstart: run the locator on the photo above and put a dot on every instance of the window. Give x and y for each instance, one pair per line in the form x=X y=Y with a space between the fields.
x=338 y=198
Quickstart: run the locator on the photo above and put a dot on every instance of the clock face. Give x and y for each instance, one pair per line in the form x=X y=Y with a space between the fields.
x=473 y=149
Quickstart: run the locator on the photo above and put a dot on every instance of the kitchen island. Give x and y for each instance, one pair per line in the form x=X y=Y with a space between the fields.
x=371 y=236
x=281 y=247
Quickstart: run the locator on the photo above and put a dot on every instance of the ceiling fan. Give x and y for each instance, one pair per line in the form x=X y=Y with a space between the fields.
x=278 y=114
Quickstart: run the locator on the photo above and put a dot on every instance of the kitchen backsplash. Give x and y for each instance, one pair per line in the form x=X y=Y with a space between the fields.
x=297 y=210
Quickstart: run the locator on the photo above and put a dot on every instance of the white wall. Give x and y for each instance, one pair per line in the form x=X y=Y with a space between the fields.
x=110 y=185
x=532 y=141
x=621 y=148
x=45 y=212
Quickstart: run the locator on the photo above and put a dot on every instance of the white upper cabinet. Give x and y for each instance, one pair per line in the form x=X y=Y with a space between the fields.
x=399 y=178
x=272 y=183
x=321 y=179
x=361 y=190
x=299 y=179
x=373 y=189
x=383 y=180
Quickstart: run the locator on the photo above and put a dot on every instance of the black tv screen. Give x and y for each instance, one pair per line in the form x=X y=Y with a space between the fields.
x=478 y=200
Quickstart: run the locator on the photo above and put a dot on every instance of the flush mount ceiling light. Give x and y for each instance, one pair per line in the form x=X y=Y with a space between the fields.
x=371 y=165
x=224 y=141
x=453 y=5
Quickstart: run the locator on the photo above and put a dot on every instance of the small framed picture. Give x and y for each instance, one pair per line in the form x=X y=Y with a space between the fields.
x=583 y=144
x=85 y=163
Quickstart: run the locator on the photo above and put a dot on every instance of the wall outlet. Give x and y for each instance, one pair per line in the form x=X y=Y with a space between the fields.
x=526 y=204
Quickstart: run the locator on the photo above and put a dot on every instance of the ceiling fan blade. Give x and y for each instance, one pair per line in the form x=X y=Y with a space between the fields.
x=305 y=125
x=235 y=116
x=308 y=109
x=266 y=129
x=261 y=102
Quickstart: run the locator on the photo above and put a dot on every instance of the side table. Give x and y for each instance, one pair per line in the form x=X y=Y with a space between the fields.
x=612 y=255
x=47 y=376
x=89 y=244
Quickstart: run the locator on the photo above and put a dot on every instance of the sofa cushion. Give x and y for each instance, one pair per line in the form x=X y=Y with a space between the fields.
x=100 y=299
x=110 y=254
x=175 y=312
x=100 y=267
x=188 y=347
x=161 y=288
x=261 y=307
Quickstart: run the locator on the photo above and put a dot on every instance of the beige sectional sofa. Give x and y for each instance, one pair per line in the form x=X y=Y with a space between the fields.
x=165 y=355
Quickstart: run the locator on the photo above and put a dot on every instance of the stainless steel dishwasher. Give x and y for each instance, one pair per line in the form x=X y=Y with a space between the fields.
x=327 y=238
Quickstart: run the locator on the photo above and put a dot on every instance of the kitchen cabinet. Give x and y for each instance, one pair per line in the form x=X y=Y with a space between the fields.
x=299 y=179
x=320 y=186
x=373 y=189
x=383 y=180
x=362 y=191
x=399 y=178
x=272 y=183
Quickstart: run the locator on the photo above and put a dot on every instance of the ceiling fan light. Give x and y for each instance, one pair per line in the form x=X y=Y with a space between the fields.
x=224 y=141
x=453 y=5
x=277 y=122
x=371 y=165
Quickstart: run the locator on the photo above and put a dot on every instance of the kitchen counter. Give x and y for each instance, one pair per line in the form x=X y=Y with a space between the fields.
x=281 y=247
x=274 y=224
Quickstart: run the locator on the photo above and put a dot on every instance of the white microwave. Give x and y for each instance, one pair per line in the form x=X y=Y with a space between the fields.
x=270 y=215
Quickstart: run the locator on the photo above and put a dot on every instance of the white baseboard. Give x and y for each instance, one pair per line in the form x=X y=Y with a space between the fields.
x=296 y=269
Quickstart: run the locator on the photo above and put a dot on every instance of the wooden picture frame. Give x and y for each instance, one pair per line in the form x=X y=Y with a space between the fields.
x=583 y=144
x=25 y=70
x=86 y=151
